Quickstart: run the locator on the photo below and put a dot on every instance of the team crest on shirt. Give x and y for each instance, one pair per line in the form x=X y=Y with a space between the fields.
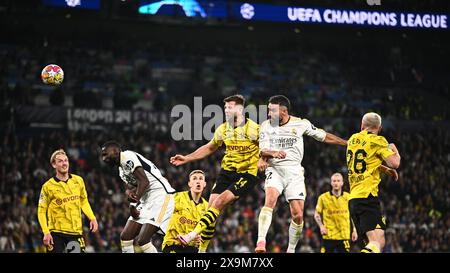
x=129 y=165
x=294 y=131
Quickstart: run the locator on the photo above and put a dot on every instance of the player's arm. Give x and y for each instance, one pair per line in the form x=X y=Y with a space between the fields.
x=143 y=183
x=317 y=212
x=333 y=139
x=42 y=217
x=198 y=154
x=266 y=153
x=42 y=211
x=393 y=161
x=321 y=135
x=87 y=210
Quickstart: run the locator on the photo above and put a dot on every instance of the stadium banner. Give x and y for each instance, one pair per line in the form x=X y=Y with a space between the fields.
x=292 y=14
x=282 y=13
x=78 y=4
x=103 y=119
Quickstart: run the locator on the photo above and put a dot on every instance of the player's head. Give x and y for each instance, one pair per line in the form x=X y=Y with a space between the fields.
x=60 y=161
x=278 y=108
x=371 y=122
x=234 y=106
x=197 y=181
x=337 y=181
x=111 y=153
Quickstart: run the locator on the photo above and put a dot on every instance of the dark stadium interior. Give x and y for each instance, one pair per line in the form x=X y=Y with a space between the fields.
x=114 y=59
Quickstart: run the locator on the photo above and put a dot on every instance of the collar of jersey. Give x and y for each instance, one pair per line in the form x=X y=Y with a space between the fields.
x=240 y=125
x=190 y=197
x=331 y=192
x=58 y=180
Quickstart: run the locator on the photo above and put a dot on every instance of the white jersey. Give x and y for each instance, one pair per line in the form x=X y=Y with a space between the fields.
x=130 y=160
x=288 y=138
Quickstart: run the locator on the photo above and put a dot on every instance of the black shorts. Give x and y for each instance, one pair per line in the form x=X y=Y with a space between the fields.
x=238 y=183
x=366 y=215
x=65 y=243
x=335 y=246
x=179 y=249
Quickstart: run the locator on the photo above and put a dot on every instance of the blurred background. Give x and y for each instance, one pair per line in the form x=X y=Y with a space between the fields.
x=128 y=63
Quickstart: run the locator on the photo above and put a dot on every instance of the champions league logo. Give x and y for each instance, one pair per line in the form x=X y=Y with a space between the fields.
x=73 y=3
x=247 y=11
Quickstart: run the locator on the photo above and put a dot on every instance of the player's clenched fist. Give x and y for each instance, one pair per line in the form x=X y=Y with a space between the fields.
x=178 y=160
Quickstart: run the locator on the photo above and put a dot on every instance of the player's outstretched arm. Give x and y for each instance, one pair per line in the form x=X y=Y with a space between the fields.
x=200 y=153
x=333 y=139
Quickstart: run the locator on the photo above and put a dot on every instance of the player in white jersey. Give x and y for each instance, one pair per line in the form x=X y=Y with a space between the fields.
x=281 y=143
x=150 y=194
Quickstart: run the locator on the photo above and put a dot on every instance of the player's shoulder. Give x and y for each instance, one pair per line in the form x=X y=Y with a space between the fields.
x=252 y=124
x=265 y=123
x=77 y=177
x=324 y=195
x=346 y=194
x=377 y=140
x=222 y=127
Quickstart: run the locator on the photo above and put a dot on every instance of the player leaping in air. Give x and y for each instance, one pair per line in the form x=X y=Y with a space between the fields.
x=281 y=141
x=239 y=165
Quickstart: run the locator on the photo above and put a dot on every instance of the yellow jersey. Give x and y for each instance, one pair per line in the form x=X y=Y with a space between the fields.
x=335 y=215
x=61 y=203
x=365 y=154
x=242 y=146
x=185 y=217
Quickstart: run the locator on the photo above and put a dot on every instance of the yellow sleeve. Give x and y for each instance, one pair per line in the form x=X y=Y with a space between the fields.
x=42 y=210
x=177 y=200
x=85 y=206
x=383 y=149
x=319 y=207
x=255 y=134
x=218 y=136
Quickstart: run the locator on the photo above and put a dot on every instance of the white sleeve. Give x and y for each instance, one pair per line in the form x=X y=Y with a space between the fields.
x=130 y=161
x=264 y=142
x=316 y=133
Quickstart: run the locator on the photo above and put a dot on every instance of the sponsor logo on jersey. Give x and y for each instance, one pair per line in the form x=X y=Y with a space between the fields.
x=239 y=148
x=186 y=221
x=60 y=201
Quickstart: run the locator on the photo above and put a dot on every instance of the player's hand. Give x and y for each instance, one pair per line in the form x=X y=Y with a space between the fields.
x=262 y=165
x=279 y=154
x=354 y=236
x=132 y=197
x=392 y=173
x=197 y=240
x=93 y=225
x=134 y=212
x=48 y=239
x=178 y=160
x=323 y=230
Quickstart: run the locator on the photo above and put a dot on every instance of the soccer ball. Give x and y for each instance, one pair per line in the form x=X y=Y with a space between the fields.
x=52 y=74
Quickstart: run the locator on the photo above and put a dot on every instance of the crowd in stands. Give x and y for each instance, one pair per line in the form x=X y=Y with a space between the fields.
x=328 y=86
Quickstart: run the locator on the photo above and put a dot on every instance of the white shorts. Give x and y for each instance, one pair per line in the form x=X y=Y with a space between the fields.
x=156 y=210
x=288 y=179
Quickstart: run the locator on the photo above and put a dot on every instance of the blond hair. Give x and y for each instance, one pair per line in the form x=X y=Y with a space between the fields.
x=196 y=171
x=55 y=153
x=371 y=120
x=338 y=174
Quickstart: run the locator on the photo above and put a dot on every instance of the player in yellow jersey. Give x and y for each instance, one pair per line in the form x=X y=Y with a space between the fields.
x=61 y=201
x=239 y=165
x=189 y=208
x=366 y=151
x=333 y=217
